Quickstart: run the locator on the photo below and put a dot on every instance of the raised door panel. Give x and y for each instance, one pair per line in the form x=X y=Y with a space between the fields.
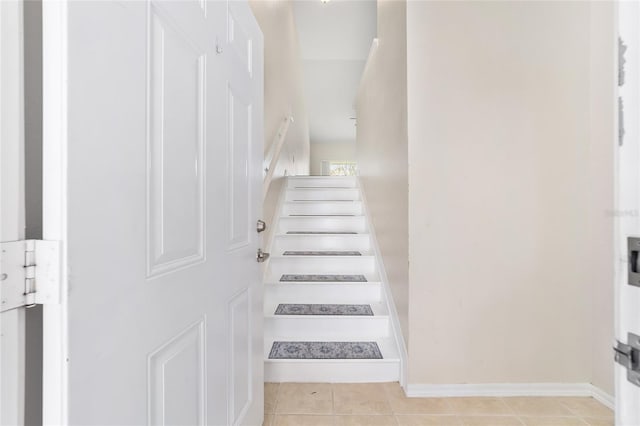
x=240 y=367
x=176 y=388
x=175 y=148
x=239 y=111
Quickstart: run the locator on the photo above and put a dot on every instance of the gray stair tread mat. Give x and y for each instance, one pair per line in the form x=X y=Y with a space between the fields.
x=322 y=278
x=323 y=309
x=325 y=350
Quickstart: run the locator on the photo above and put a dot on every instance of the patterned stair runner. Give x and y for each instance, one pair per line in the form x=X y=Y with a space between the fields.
x=321 y=253
x=322 y=278
x=325 y=350
x=323 y=309
x=319 y=232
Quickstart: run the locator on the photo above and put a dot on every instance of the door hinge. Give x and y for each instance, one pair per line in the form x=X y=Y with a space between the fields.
x=628 y=355
x=29 y=273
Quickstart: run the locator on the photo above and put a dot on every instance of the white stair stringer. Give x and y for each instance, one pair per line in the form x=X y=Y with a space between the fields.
x=322 y=248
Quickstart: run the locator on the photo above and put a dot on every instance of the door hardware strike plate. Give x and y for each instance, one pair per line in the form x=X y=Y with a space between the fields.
x=633 y=256
x=628 y=356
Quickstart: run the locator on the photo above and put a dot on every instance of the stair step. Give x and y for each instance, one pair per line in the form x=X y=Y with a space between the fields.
x=314 y=278
x=323 y=309
x=322 y=181
x=322 y=207
x=322 y=268
x=386 y=369
x=327 y=327
x=324 y=350
x=323 y=194
x=319 y=292
x=321 y=253
x=320 y=233
x=324 y=224
x=320 y=215
x=320 y=242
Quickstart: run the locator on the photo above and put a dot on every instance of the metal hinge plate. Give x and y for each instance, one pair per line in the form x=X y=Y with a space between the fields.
x=29 y=273
x=628 y=355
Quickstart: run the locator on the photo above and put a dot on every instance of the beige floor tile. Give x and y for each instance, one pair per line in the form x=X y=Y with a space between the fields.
x=427 y=420
x=365 y=421
x=553 y=421
x=302 y=420
x=270 y=395
x=400 y=404
x=537 y=406
x=304 y=398
x=599 y=421
x=482 y=406
x=490 y=421
x=586 y=407
x=268 y=420
x=360 y=398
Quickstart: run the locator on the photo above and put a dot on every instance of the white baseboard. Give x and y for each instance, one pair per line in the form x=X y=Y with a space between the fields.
x=511 y=389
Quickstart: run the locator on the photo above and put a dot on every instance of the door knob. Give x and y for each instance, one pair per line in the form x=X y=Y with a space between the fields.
x=261 y=226
x=262 y=256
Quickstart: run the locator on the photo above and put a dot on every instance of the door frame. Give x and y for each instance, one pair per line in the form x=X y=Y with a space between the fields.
x=54 y=226
x=12 y=201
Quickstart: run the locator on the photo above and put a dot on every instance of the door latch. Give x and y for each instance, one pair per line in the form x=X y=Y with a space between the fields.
x=628 y=355
x=261 y=226
x=262 y=256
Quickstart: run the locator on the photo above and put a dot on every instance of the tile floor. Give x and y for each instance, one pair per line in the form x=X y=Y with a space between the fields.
x=382 y=404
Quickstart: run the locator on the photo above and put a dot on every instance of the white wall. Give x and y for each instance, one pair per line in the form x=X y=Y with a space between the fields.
x=339 y=151
x=382 y=148
x=283 y=85
x=602 y=147
x=503 y=214
x=284 y=94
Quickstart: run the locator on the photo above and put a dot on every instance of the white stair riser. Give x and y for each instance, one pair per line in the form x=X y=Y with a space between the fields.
x=319 y=181
x=359 y=243
x=322 y=293
x=322 y=328
x=319 y=371
x=322 y=208
x=322 y=194
x=324 y=224
x=322 y=265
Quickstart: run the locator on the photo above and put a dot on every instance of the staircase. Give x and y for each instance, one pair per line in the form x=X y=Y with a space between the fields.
x=326 y=315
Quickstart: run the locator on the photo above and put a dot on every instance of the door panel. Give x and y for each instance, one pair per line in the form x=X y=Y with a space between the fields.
x=239 y=192
x=176 y=87
x=176 y=388
x=158 y=188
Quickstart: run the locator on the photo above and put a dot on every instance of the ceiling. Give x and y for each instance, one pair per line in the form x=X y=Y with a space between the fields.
x=335 y=39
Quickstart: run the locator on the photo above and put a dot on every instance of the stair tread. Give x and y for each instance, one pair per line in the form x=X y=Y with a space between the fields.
x=320 y=215
x=323 y=278
x=321 y=253
x=323 y=187
x=322 y=233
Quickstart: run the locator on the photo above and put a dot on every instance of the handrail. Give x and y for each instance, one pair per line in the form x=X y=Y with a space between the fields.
x=271 y=159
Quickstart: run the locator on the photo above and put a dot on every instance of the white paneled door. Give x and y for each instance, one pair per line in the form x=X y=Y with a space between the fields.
x=628 y=219
x=153 y=150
